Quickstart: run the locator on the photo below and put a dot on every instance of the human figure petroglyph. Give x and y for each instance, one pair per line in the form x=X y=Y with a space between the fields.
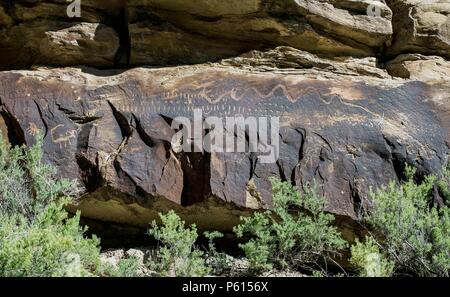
x=32 y=129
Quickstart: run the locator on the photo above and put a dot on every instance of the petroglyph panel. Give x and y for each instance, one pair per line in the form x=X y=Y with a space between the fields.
x=346 y=134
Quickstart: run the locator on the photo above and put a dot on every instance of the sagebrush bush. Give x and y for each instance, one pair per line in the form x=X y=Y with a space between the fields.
x=444 y=184
x=37 y=238
x=126 y=267
x=412 y=232
x=51 y=245
x=178 y=255
x=27 y=185
x=297 y=233
x=218 y=261
x=367 y=258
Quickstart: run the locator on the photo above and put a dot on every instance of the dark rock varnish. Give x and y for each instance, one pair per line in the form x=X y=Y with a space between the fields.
x=113 y=134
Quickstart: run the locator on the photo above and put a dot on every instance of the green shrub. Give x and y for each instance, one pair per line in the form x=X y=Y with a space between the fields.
x=126 y=267
x=286 y=237
x=412 y=232
x=37 y=238
x=444 y=184
x=178 y=256
x=51 y=245
x=369 y=261
x=216 y=260
x=27 y=185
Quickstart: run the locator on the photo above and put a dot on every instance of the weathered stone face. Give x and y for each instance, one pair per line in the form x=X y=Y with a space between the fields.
x=41 y=33
x=326 y=68
x=328 y=28
x=419 y=67
x=114 y=33
x=421 y=27
x=346 y=132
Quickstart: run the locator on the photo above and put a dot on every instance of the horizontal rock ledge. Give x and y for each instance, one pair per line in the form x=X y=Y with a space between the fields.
x=344 y=125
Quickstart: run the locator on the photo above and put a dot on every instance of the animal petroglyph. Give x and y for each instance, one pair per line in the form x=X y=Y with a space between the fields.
x=62 y=137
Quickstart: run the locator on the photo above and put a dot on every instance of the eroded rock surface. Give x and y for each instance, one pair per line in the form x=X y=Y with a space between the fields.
x=420 y=67
x=137 y=32
x=421 y=27
x=358 y=95
x=41 y=33
x=112 y=132
x=329 y=28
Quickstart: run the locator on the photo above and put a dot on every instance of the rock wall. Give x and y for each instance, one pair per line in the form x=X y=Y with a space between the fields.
x=361 y=88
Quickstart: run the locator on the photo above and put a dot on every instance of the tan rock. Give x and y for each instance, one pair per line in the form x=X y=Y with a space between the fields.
x=40 y=32
x=421 y=27
x=346 y=123
x=5 y=19
x=167 y=45
x=57 y=43
x=288 y=59
x=328 y=28
x=420 y=67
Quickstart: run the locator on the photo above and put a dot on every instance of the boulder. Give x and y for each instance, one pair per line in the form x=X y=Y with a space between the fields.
x=420 y=27
x=419 y=67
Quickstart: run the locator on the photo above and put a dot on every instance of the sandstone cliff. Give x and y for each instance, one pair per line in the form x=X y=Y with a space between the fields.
x=359 y=94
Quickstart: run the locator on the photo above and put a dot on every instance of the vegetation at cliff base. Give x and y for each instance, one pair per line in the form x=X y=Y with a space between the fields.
x=37 y=237
x=178 y=255
x=408 y=231
x=296 y=234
